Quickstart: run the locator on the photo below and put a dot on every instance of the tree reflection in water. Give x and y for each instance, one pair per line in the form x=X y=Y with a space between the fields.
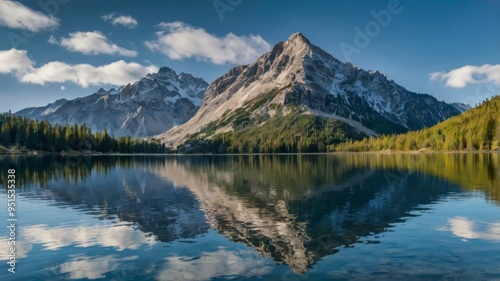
x=294 y=209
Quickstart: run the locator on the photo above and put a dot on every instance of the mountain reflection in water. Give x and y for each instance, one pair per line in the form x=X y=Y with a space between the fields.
x=291 y=208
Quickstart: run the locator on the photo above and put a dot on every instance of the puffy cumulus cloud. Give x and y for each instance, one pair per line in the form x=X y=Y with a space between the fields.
x=92 y=267
x=16 y=61
x=120 y=236
x=15 y=15
x=469 y=74
x=91 y=43
x=127 y=21
x=178 y=40
x=213 y=264
x=116 y=73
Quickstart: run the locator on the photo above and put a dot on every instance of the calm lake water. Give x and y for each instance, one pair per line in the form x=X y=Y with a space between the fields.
x=310 y=217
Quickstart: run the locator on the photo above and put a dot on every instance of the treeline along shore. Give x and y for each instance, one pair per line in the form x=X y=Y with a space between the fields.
x=21 y=135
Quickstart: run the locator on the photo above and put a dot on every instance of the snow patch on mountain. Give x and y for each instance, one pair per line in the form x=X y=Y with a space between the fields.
x=308 y=77
x=145 y=108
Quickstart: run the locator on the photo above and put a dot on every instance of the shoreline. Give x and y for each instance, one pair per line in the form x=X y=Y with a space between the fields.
x=382 y=152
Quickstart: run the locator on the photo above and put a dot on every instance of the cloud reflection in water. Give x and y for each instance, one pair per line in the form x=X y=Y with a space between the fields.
x=208 y=265
x=120 y=236
x=469 y=229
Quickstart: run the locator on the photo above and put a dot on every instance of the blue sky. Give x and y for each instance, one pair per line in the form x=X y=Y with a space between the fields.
x=71 y=48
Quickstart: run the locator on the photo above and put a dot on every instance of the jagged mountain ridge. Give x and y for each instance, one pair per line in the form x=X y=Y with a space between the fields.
x=462 y=107
x=476 y=129
x=306 y=77
x=145 y=108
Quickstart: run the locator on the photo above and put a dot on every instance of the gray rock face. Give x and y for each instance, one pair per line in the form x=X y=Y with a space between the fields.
x=308 y=77
x=148 y=107
x=461 y=106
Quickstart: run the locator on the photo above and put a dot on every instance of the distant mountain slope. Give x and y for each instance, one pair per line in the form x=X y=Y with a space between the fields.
x=475 y=129
x=461 y=106
x=24 y=135
x=297 y=77
x=148 y=107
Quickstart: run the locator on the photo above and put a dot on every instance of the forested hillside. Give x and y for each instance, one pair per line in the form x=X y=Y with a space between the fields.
x=23 y=133
x=293 y=133
x=475 y=129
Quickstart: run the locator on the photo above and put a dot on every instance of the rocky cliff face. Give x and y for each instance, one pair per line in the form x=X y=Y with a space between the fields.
x=147 y=107
x=304 y=76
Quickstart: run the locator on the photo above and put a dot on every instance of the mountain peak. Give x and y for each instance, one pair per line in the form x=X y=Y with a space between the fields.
x=298 y=43
x=298 y=75
x=165 y=69
x=298 y=37
x=147 y=107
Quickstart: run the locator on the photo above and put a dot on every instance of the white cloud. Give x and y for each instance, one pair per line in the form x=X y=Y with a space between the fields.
x=53 y=40
x=126 y=21
x=469 y=74
x=116 y=73
x=63 y=88
x=92 y=43
x=15 y=15
x=178 y=40
x=14 y=61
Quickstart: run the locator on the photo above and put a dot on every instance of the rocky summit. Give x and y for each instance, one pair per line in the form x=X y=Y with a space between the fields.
x=297 y=77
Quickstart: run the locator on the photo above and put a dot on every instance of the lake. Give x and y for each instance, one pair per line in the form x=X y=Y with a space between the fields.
x=254 y=217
